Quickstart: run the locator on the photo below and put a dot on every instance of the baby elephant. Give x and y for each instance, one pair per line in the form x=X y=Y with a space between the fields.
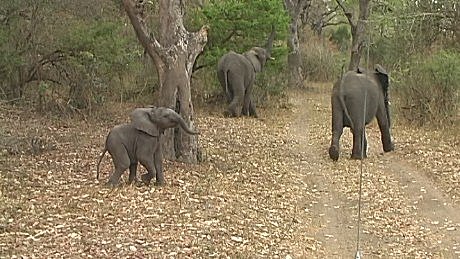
x=357 y=98
x=139 y=141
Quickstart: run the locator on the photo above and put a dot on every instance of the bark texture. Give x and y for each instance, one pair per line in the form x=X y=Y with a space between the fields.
x=295 y=8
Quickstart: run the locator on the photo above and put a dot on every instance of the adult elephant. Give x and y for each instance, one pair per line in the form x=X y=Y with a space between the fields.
x=139 y=142
x=356 y=99
x=237 y=73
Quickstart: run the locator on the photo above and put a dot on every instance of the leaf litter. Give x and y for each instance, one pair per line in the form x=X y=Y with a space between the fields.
x=251 y=197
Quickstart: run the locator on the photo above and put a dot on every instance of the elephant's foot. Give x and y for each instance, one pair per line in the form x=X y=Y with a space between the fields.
x=358 y=156
x=334 y=153
x=227 y=114
x=160 y=183
x=110 y=184
x=388 y=148
x=146 y=178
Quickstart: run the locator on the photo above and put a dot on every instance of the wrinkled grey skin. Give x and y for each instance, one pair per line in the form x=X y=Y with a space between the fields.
x=349 y=109
x=236 y=74
x=139 y=142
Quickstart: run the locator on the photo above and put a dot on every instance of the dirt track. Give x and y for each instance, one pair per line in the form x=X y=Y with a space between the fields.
x=404 y=213
x=266 y=189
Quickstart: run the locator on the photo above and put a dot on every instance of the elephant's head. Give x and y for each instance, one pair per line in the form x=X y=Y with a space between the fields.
x=382 y=78
x=154 y=120
x=259 y=56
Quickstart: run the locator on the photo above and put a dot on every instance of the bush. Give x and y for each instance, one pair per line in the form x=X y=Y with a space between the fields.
x=429 y=89
x=320 y=62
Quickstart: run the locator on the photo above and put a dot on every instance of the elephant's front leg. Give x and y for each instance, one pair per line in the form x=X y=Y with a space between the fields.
x=384 y=127
x=132 y=172
x=237 y=85
x=249 y=108
x=252 y=109
x=158 y=163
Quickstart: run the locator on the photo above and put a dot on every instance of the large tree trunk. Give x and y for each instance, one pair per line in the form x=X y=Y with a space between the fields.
x=173 y=53
x=295 y=8
x=358 y=32
x=294 y=56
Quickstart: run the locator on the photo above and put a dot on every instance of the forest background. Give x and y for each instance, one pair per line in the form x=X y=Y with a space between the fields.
x=76 y=57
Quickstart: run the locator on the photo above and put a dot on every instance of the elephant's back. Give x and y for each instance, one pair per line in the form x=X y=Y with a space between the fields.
x=352 y=81
x=231 y=59
x=121 y=132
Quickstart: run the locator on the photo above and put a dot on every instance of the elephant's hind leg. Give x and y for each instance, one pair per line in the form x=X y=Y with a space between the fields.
x=337 y=128
x=359 y=144
x=121 y=162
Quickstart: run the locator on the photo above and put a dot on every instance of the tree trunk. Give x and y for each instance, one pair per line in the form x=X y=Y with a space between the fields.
x=173 y=53
x=358 y=32
x=294 y=56
x=295 y=8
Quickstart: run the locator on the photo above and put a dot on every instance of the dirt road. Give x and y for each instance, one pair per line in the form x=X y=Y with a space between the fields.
x=404 y=213
x=267 y=188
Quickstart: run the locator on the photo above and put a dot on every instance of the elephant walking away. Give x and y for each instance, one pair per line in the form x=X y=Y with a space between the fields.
x=139 y=142
x=237 y=73
x=356 y=99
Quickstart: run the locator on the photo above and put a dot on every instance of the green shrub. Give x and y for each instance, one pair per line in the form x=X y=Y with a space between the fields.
x=429 y=89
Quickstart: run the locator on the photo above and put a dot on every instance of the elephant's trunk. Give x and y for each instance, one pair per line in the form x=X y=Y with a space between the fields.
x=184 y=126
x=271 y=38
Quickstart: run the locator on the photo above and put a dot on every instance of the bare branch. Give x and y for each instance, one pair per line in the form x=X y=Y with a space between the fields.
x=230 y=35
x=347 y=13
x=334 y=23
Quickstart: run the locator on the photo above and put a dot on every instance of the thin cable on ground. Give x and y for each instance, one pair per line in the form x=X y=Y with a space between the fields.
x=358 y=239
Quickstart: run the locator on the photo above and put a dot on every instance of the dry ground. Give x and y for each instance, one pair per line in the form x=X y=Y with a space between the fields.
x=266 y=189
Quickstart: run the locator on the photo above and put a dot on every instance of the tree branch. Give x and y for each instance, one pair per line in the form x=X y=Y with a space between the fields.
x=52 y=57
x=334 y=23
x=197 y=41
x=230 y=35
x=150 y=44
x=347 y=14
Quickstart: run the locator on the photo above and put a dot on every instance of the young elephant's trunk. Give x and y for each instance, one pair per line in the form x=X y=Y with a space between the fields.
x=184 y=126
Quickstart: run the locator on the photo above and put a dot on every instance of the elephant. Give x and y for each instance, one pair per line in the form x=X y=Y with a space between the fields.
x=237 y=73
x=357 y=98
x=139 y=141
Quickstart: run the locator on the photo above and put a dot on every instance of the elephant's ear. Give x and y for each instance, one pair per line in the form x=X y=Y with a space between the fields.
x=253 y=57
x=382 y=76
x=140 y=119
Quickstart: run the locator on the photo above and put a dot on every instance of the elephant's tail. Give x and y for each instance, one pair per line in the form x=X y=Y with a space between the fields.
x=99 y=163
x=227 y=92
x=342 y=103
x=346 y=113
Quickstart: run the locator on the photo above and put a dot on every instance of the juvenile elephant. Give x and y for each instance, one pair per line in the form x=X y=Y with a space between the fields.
x=237 y=73
x=139 y=141
x=356 y=99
